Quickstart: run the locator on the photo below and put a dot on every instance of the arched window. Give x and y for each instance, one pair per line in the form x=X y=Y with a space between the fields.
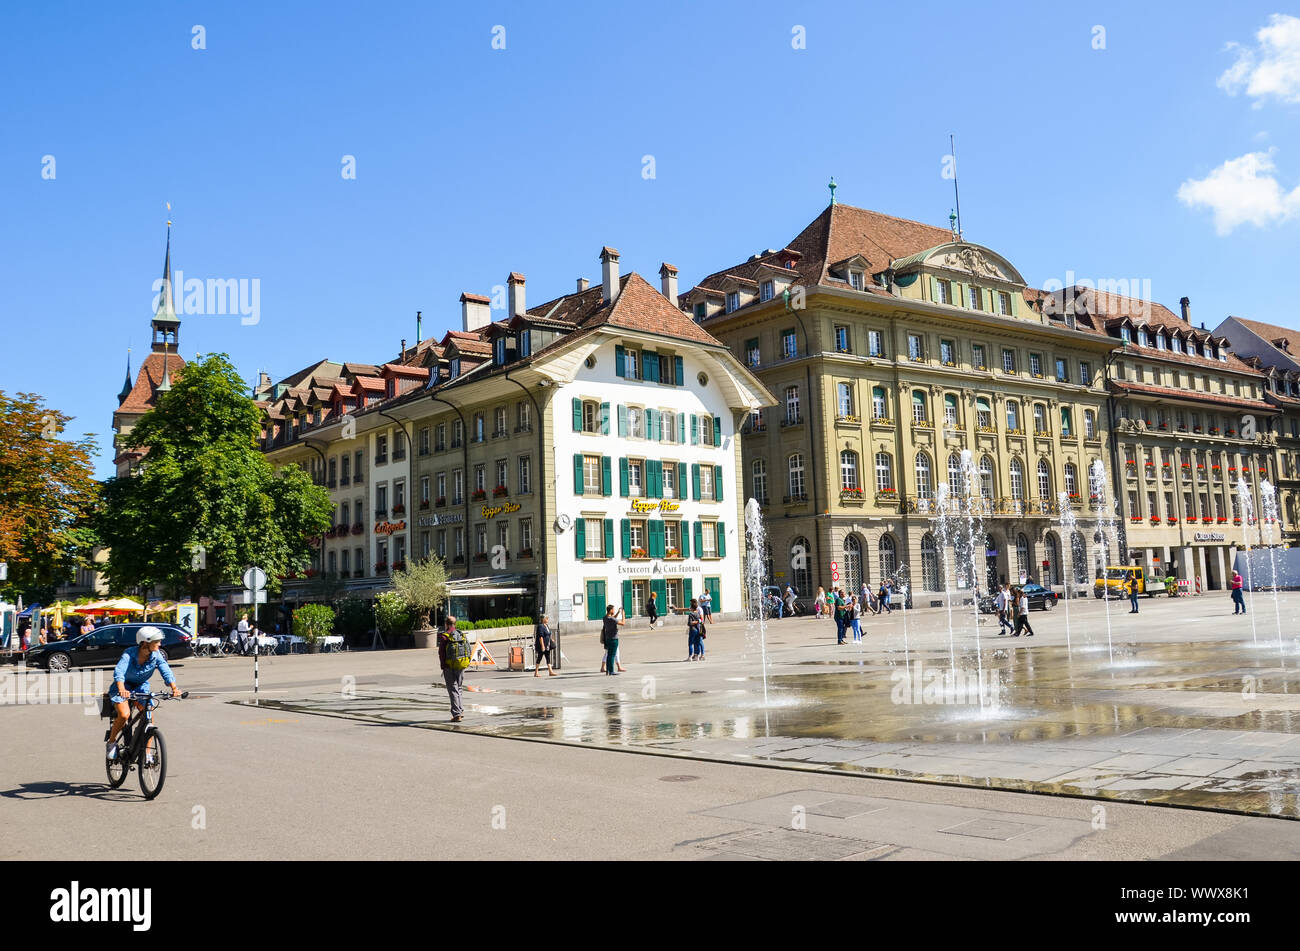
x=760 y=479
x=796 y=476
x=956 y=482
x=884 y=472
x=986 y=477
x=853 y=577
x=1022 y=555
x=1071 y=480
x=1013 y=416
x=879 y=409
x=920 y=412
x=1044 y=480
x=1053 y=558
x=888 y=557
x=1017 y=479
x=924 y=487
x=983 y=414
x=800 y=570
x=930 y=564
x=849 y=470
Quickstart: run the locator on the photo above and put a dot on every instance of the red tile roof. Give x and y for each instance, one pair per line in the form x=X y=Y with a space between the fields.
x=1150 y=390
x=144 y=393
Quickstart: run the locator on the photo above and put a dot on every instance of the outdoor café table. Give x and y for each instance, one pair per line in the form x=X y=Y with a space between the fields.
x=332 y=643
x=288 y=641
x=207 y=645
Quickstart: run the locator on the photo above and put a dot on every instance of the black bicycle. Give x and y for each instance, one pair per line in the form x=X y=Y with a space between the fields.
x=140 y=746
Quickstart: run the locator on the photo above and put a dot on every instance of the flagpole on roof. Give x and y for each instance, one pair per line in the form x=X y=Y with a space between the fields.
x=952 y=144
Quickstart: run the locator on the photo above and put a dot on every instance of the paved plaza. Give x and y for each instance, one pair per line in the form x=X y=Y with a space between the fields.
x=351 y=755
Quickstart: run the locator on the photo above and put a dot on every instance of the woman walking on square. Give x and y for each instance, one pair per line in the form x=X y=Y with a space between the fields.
x=855 y=618
x=694 y=632
x=1022 y=613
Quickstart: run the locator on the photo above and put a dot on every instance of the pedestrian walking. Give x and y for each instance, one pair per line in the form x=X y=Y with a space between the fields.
x=1238 y=599
x=819 y=603
x=1022 y=613
x=652 y=609
x=706 y=606
x=791 y=604
x=453 y=657
x=838 y=606
x=855 y=619
x=1133 y=594
x=542 y=642
x=1002 y=602
x=609 y=640
x=695 y=632
x=884 y=598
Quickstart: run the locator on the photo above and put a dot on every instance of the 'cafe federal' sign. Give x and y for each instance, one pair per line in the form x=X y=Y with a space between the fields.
x=505 y=508
x=665 y=505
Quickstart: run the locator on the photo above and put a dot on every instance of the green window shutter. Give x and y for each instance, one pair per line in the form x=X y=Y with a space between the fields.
x=695 y=481
x=677 y=369
x=650 y=361
x=625 y=526
x=580 y=539
x=653 y=474
x=577 y=474
x=934 y=294
x=653 y=419
x=695 y=427
x=684 y=532
x=717 y=430
x=656 y=538
x=606 y=480
x=618 y=360
x=577 y=415
x=722 y=542
x=714 y=589
x=686 y=591
x=607 y=549
x=1015 y=303
x=659 y=588
x=681 y=481
x=622 y=476
x=595 y=600
x=699 y=539
x=627 y=599
x=717 y=483
x=604 y=419
x=681 y=426
x=959 y=294
x=622 y=420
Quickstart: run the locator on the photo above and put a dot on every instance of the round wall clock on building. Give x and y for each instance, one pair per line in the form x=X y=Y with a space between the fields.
x=591 y=363
x=703 y=378
x=562 y=523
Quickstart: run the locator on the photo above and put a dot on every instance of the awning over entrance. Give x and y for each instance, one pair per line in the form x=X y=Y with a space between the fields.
x=492 y=585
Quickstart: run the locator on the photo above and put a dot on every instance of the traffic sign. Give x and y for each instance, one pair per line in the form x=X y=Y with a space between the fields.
x=835 y=566
x=835 y=575
x=255 y=579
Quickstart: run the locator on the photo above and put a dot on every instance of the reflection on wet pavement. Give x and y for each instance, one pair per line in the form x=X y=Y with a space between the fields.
x=1206 y=724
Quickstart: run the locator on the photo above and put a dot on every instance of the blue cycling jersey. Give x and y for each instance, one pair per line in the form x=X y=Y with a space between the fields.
x=136 y=675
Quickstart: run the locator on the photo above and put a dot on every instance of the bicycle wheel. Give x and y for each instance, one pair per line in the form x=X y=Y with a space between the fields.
x=153 y=764
x=119 y=767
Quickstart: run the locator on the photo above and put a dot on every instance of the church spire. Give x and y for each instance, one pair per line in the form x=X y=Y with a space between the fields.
x=166 y=325
x=128 y=385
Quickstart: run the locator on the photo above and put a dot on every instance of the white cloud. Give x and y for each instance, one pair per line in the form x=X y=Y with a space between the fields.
x=1242 y=191
x=1270 y=69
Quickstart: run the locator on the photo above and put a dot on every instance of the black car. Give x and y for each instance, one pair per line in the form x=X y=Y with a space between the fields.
x=1039 y=597
x=103 y=647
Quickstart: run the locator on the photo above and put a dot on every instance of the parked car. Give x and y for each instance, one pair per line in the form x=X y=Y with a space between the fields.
x=1039 y=597
x=103 y=647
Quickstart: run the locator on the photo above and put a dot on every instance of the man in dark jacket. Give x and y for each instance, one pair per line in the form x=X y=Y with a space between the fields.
x=453 y=677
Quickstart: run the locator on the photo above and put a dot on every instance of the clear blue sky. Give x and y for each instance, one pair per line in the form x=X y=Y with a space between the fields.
x=473 y=162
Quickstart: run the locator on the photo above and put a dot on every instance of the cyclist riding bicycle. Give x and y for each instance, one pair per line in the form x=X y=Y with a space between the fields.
x=132 y=674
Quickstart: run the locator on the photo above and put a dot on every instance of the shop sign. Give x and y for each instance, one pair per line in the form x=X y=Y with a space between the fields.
x=674 y=568
x=389 y=528
x=492 y=511
x=1208 y=537
x=664 y=505
x=429 y=521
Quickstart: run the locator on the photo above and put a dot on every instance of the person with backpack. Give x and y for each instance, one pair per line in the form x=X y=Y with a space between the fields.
x=454 y=652
x=609 y=640
x=695 y=632
x=542 y=644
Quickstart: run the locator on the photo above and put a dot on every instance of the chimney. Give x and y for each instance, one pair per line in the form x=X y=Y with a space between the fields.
x=608 y=273
x=668 y=277
x=475 y=311
x=516 y=284
x=1186 y=305
x=583 y=284
x=403 y=357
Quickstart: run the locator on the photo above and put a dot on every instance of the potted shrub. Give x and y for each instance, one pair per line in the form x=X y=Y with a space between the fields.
x=313 y=622
x=392 y=615
x=422 y=588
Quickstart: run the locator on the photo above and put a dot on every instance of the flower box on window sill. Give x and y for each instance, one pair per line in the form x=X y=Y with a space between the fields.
x=358 y=528
x=1162 y=427
x=1196 y=429
x=381 y=513
x=500 y=491
x=950 y=363
x=846 y=419
x=1231 y=432
x=1015 y=432
x=526 y=553
x=639 y=553
x=440 y=501
x=458 y=560
x=924 y=425
x=881 y=421
x=672 y=553
x=1155 y=519
x=1214 y=430
x=1174 y=521
x=399 y=566
x=481 y=556
x=887 y=497
x=917 y=359
x=381 y=567
x=1263 y=470
x=1236 y=521
x=986 y=429
x=852 y=495
x=1222 y=519
x=330 y=532
x=1042 y=432
x=478 y=495
x=1135 y=518
x=424 y=504
x=399 y=509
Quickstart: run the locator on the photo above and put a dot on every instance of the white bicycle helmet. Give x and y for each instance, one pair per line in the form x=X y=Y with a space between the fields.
x=147 y=634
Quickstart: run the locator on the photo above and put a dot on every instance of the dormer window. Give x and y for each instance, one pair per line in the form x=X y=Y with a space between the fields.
x=1004 y=303
x=701 y=310
x=733 y=301
x=1177 y=345
x=1222 y=354
x=973 y=295
x=1143 y=339
x=1126 y=335
x=855 y=280
x=455 y=367
x=499 y=351
x=766 y=290
x=525 y=343
x=1160 y=340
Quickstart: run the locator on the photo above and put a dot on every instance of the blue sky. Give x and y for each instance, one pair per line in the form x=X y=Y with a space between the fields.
x=472 y=161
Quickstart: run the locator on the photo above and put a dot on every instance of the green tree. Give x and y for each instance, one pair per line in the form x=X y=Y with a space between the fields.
x=206 y=502
x=47 y=495
x=393 y=616
x=311 y=622
x=423 y=587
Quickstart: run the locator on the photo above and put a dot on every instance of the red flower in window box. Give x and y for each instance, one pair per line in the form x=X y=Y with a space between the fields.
x=381 y=567
x=1200 y=467
x=1232 y=432
x=1263 y=470
x=1173 y=520
x=399 y=509
x=500 y=491
x=1135 y=518
x=358 y=528
x=424 y=503
x=639 y=553
x=1155 y=519
x=478 y=495
x=1222 y=519
x=440 y=501
x=1236 y=520
x=1216 y=467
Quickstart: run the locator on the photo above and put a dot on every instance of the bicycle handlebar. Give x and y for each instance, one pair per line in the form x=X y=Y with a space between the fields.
x=138 y=695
